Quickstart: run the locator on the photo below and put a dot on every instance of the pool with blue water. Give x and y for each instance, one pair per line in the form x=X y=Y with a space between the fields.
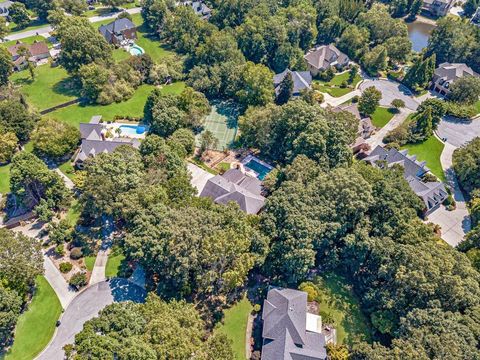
x=132 y=129
x=259 y=168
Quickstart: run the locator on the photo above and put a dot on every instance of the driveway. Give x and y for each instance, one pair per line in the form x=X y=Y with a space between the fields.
x=377 y=138
x=458 y=132
x=86 y=306
x=391 y=90
x=455 y=224
x=199 y=177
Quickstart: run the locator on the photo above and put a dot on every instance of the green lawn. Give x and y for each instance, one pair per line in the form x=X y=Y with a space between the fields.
x=51 y=86
x=114 y=264
x=340 y=303
x=28 y=40
x=333 y=88
x=235 y=325
x=477 y=106
x=68 y=169
x=73 y=213
x=75 y=114
x=334 y=91
x=36 y=326
x=381 y=116
x=430 y=152
x=89 y=262
x=34 y=24
x=5 y=179
x=339 y=79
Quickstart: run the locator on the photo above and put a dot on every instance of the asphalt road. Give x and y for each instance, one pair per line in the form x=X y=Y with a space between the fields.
x=458 y=132
x=391 y=90
x=86 y=306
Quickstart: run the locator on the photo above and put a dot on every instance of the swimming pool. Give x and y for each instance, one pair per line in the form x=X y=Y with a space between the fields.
x=132 y=129
x=261 y=169
x=136 y=50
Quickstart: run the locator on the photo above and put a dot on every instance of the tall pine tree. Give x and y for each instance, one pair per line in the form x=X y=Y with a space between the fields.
x=285 y=89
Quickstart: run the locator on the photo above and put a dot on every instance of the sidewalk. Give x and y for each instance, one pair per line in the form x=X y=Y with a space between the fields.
x=377 y=138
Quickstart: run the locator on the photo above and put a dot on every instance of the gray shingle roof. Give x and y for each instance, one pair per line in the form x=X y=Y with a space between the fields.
x=432 y=193
x=301 y=80
x=115 y=27
x=238 y=187
x=284 y=328
x=450 y=72
x=325 y=56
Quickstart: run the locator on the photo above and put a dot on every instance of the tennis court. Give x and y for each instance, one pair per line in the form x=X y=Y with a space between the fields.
x=222 y=122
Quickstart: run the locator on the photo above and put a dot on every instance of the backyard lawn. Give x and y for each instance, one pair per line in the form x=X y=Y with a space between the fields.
x=430 y=152
x=381 y=117
x=36 y=326
x=235 y=325
x=114 y=263
x=339 y=303
x=51 y=86
x=75 y=114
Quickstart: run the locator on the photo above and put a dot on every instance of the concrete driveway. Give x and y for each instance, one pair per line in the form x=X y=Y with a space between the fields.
x=199 y=177
x=391 y=90
x=458 y=132
x=86 y=306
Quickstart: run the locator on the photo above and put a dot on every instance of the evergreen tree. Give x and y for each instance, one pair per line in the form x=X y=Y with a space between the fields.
x=285 y=89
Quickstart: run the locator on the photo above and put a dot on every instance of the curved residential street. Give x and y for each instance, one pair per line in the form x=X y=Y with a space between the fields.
x=391 y=90
x=86 y=306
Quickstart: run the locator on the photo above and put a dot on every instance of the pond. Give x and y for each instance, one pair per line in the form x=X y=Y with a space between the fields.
x=419 y=33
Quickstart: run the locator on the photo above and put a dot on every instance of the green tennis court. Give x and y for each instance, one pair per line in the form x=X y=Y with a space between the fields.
x=222 y=122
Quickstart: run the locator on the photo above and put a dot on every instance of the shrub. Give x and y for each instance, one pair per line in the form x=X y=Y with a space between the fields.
x=257 y=308
x=344 y=84
x=398 y=103
x=355 y=99
x=449 y=202
x=311 y=290
x=78 y=280
x=59 y=250
x=76 y=253
x=460 y=111
x=65 y=267
x=327 y=75
x=400 y=135
x=428 y=177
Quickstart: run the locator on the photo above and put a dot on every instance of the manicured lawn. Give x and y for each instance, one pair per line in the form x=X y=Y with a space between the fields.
x=430 y=152
x=34 y=24
x=235 y=325
x=36 y=326
x=339 y=79
x=75 y=114
x=51 y=86
x=73 y=213
x=340 y=304
x=114 y=263
x=89 y=262
x=67 y=169
x=334 y=91
x=333 y=88
x=381 y=116
x=5 y=179
x=477 y=106
x=28 y=40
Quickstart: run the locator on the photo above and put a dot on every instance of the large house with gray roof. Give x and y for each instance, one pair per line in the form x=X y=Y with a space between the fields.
x=446 y=74
x=323 y=57
x=118 y=31
x=289 y=331
x=437 y=7
x=432 y=193
x=199 y=7
x=95 y=141
x=302 y=80
x=238 y=187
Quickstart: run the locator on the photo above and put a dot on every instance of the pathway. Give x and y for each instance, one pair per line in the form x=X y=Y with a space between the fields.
x=455 y=224
x=47 y=29
x=86 y=306
x=337 y=101
x=68 y=182
x=98 y=272
x=377 y=138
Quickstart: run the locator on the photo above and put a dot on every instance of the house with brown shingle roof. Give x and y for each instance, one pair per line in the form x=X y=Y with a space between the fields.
x=323 y=57
x=35 y=52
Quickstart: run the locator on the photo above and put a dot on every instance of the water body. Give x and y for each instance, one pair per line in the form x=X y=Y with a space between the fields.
x=419 y=33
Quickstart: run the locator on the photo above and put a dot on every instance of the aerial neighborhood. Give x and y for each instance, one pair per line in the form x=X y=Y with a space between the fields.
x=240 y=180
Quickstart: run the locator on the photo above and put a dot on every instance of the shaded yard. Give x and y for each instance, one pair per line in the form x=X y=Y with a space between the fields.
x=5 y=179
x=73 y=213
x=51 y=86
x=114 y=263
x=430 y=152
x=235 y=325
x=381 y=116
x=340 y=304
x=75 y=114
x=36 y=325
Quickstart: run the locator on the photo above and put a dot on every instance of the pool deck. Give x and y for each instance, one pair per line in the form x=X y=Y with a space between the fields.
x=250 y=158
x=114 y=126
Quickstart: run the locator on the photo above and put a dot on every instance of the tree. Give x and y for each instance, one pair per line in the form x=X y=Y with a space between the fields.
x=285 y=89
x=154 y=13
x=21 y=260
x=41 y=7
x=74 y=7
x=375 y=60
x=470 y=6
x=424 y=124
x=369 y=100
x=398 y=48
x=8 y=146
x=466 y=163
x=6 y=66
x=420 y=74
x=107 y=177
x=208 y=141
x=10 y=307
x=78 y=280
x=112 y=3
x=4 y=30
x=184 y=138
x=398 y=104
x=14 y=117
x=154 y=330
x=82 y=44
x=196 y=250
x=465 y=90
x=54 y=139
x=25 y=52
x=33 y=184
x=19 y=15
x=256 y=85
x=354 y=41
